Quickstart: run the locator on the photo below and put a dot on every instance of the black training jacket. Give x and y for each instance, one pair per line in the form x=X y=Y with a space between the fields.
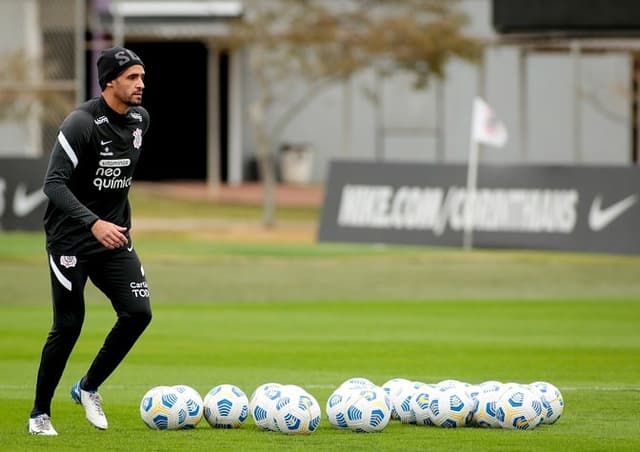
x=89 y=175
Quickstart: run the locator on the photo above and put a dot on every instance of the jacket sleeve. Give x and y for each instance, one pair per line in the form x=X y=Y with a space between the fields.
x=73 y=137
x=147 y=119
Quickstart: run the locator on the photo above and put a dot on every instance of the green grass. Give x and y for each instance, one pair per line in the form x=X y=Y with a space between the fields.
x=317 y=314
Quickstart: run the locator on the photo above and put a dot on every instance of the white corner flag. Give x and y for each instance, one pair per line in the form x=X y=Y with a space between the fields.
x=487 y=129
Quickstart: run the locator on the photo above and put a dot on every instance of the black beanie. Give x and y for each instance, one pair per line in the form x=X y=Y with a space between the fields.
x=113 y=62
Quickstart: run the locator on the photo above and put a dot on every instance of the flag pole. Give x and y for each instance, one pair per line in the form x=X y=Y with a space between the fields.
x=485 y=129
x=470 y=196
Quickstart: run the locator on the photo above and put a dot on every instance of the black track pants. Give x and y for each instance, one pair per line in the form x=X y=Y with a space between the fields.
x=120 y=276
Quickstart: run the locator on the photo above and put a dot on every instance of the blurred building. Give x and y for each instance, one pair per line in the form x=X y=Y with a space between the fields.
x=567 y=96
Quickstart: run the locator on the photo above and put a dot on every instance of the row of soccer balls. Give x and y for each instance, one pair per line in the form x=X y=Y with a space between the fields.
x=449 y=403
x=290 y=409
x=357 y=404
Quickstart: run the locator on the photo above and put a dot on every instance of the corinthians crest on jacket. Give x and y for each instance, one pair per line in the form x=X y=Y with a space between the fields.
x=137 y=138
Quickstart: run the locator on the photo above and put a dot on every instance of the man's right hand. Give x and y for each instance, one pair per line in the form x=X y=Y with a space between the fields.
x=110 y=235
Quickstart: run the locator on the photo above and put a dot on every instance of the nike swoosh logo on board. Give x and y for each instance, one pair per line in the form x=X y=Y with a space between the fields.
x=600 y=218
x=24 y=203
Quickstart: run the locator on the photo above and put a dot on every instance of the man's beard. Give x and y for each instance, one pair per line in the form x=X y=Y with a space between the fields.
x=133 y=103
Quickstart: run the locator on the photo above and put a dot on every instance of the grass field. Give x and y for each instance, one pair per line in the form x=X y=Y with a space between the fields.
x=317 y=314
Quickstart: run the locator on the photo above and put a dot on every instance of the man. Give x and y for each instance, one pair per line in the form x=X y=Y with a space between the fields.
x=87 y=224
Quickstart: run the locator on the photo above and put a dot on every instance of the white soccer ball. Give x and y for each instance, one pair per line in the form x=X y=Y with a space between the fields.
x=367 y=410
x=335 y=407
x=226 y=406
x=400 y=391
x=486 y=406
x=552 y=400
x=357 y=382
x=296 y=411
x=262 y=405
x=451 y=383
x=392 y=388
x=163 y=408
x=451 y=406
x=519 y=408
x=491 y=385
x=420 y=401
x=195 y=407
x=473 y=390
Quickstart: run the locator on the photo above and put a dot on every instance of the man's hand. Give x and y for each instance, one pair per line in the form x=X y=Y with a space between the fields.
x=110 y=235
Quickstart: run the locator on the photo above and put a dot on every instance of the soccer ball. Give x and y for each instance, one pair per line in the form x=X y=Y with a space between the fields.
x=451 y=383
x=262 y=405
x=400 y=391
x=334 y=408
x=485 y=412
x=519 y=408
x=296 y=411
x=226 y=406
x=451 y=406
x=360 y=382
x=552 y=400
x=163 y=408
x=420 y=401
x=194 y=405
x=473 y=390
x=394 y=387
x=367 y=410
x=492 y=385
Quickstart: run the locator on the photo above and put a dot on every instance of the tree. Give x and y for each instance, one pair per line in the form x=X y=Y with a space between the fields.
x=322 y=41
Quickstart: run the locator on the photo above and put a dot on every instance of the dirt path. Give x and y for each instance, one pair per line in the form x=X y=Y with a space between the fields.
x=233 y=230
x=286 y=195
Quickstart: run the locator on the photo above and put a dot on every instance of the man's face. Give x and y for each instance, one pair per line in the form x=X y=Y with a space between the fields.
x=129 y=85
